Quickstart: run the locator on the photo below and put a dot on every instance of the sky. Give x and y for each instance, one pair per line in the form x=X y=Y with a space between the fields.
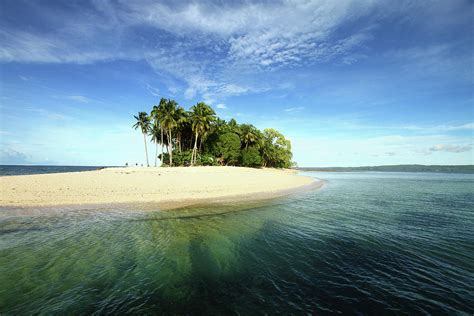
x=350 y=83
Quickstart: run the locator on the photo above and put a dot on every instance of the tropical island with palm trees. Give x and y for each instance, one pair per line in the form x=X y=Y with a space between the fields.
x=199 y=138
x=212 y=161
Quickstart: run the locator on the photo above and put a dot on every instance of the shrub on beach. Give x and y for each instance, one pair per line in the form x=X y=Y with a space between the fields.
x=207 y=160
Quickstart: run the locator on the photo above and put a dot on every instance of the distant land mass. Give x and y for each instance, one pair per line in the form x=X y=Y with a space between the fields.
x=398 y=168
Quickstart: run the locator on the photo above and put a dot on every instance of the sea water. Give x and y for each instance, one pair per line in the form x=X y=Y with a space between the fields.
x=370 y=243
x=18 y=170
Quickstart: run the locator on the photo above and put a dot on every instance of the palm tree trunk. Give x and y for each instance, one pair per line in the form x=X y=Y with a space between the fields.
x=193 y=157
x=146 y=150
x=156 y=152
x=162 y=150
x=170 y=146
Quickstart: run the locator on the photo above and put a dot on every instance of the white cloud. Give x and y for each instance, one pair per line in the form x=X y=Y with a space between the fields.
x=47 y=113
x=438 y=128
x=450 y=148
x=25 y=78
x=466 y=126
x=11 y=156
x=221 y=106
x=294 y=109
x=153 y=91
x=351 y=150
x=207 y=45
x=264 y=34
x=21 y=46
x=232 y=35
x=75 y=98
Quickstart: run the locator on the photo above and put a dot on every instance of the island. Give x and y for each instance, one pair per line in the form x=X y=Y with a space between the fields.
x=206 y=158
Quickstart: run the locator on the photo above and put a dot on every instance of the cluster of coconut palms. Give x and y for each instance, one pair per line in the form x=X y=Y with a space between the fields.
x=198 y=133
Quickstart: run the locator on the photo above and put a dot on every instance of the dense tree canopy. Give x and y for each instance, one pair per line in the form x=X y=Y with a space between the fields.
x=227 y=148
x=251 y=157
x=199 y=137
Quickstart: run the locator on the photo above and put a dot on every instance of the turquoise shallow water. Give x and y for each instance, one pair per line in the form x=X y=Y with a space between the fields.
x=370 y=243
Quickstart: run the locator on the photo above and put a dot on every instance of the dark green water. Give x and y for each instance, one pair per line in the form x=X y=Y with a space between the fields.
x=370 y=243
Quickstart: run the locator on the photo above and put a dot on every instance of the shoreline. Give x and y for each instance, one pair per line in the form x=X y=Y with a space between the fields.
x=162 y=188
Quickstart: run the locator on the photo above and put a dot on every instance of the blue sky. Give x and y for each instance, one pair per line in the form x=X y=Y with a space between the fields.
x=349 y=82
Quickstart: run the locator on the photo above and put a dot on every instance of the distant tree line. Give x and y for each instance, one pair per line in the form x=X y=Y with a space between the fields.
x=199 y=137
x=399 y=168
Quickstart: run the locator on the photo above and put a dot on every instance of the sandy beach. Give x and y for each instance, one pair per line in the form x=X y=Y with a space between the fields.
x=148 y=185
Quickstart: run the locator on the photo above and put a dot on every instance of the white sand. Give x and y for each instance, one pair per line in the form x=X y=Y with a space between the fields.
x=147 y=185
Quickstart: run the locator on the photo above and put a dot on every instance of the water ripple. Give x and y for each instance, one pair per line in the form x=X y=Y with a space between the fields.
x=365 y=244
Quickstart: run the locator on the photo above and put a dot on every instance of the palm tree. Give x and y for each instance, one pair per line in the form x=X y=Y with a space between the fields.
x=157 y=114
x=181 y=117
x=202 y=116
x=155 y=132
x=248 y=134
x=143 y=122
x=234 y=127
x=168 y=121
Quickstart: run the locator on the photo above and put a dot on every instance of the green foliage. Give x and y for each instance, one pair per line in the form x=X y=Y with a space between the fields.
x=248 y=135
x=202 y=117
x=233 y=127
x=207 y=160
x=276 y=150
x=198 y=137
x=182 y=158
x=227 y=147
x=143 y=122
x=155 y=132
x=251 y=157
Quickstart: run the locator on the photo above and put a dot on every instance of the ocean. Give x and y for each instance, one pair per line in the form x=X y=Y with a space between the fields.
x=18 y=170
x=366 y=243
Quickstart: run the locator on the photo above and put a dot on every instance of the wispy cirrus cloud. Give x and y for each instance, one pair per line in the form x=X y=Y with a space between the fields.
x=47 y=113
x=294 y=109
x=265 y=34
x=74 y=97
x=27 y=47
x=25 y=78
x=438 y=128
x=262 y=35
x=211 y=47
x=153 y=91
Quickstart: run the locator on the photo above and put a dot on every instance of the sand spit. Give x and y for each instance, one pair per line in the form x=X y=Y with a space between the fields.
x=149 y=185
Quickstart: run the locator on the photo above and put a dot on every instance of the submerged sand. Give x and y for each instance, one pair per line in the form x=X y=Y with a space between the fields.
x=148 y=185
